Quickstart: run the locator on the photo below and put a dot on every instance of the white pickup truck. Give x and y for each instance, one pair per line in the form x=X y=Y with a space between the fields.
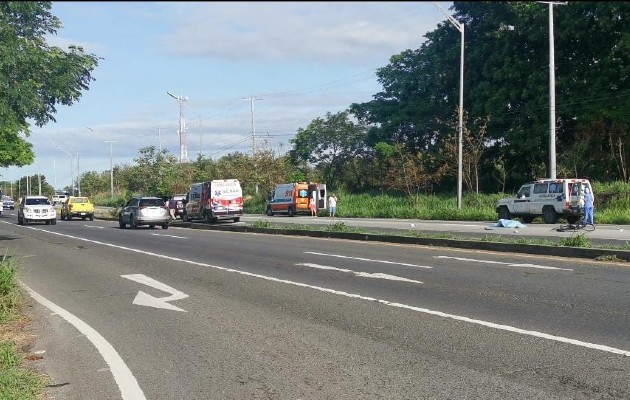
x=546 y=198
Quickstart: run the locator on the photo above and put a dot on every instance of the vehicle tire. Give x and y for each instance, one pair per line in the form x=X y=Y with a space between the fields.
x=269 y=212
x=47 y=222
x=53 y=221
x=121 y=224
x=164 y=226
x=291 y=212
x=20 y=221
x=68 y=217
x=91 y=217
x=549 y=215
x=237 y=219
x=25 y=221
x=185 y=217
x=132 y=222
x=504 y=213
x=206 y=218
x=528 y=219
x=151 y=226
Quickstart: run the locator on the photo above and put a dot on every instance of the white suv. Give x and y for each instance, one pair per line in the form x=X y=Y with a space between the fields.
x=549 y=198
x=36 y=209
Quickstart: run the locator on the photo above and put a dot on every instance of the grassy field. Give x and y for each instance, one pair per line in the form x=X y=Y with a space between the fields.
x=16 y=380
x=612 y=205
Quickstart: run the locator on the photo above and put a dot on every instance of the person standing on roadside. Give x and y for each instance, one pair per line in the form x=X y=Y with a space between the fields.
x=312 y=205
x=589 y=206
x=332 y=205
x=172 y=208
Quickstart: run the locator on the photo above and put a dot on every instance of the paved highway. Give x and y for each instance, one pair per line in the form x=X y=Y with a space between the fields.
x=197 y=314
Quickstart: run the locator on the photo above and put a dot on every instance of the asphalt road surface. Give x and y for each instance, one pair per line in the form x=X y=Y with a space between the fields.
x=197 y=314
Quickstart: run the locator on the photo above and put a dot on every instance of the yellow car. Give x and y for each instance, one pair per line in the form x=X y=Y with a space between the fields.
x=76 y=207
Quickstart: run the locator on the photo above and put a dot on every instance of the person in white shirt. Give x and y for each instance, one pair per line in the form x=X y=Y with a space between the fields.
x=332 y=205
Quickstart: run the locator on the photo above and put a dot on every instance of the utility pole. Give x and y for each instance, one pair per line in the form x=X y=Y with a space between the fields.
x=111 y=165
x=460 y=27
x=183 y=152
x=251 y=99
x=552 y=91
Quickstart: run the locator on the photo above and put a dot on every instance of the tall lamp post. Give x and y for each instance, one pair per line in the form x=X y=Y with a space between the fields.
x=71 y=163
x=183 y=152
x=111 y=164
x=552 y=91
x=460 y=28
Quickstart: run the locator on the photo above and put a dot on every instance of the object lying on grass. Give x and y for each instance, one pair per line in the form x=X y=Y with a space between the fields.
x=508 y=223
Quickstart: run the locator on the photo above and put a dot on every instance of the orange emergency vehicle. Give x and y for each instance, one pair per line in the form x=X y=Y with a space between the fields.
x=293 y=198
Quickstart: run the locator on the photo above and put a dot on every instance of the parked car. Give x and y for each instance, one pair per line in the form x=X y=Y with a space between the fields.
x=144 y=210
x=36 y=209
x=180 y=198
x=546 y=198
x=8 y=203
x=77 y=207
x=59 y=199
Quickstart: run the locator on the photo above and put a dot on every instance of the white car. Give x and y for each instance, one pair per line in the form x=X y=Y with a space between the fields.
x=36 y=209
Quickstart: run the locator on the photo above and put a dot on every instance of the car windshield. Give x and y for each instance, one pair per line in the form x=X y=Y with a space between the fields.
x=34 y=202
x=79 y=200
x=151 y=203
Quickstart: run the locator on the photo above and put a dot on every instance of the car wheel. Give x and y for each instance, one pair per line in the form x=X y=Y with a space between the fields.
x=20 y=221
x=185 y=217
x=237 y=219
x=25 y=221
x=151 y=226
x=269 y=212
x=164 y=226
x=549 y=215
x=206 y=218
x=291 y=212
x=132 y=222
x=121 y=224
x=91 y=217
x=504 y=213
x=53 y=221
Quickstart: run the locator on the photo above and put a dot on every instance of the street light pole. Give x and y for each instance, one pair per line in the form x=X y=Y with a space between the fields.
x=460 y=28
x=552 y=91
x=111 y=165
x=183 y=152
x=71 y=163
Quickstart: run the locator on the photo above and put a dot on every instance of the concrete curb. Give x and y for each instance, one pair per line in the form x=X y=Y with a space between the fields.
x=559 y=251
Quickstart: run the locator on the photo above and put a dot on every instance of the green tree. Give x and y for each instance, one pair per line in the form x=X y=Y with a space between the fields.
x=330 y=144
x=34 y=76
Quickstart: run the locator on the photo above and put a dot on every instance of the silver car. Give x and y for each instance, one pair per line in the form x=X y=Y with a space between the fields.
x=144 y=210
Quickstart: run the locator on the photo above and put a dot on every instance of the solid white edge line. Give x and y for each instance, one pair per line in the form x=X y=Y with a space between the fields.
x=127 y=384
x=357 y=296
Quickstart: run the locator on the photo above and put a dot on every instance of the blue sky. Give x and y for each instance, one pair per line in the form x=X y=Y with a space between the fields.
x=300 y=60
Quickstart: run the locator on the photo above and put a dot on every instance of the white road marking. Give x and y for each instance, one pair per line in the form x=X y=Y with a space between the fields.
x=94 y=226
x=361 y=274
x=127 y=384
x=358 y=296
x=367 y=259
x=145 y=299
x=504 y=263
x=172 y=236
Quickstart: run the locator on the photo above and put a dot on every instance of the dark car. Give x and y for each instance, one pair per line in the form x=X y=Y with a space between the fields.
x=8 y=203
x=144 y=210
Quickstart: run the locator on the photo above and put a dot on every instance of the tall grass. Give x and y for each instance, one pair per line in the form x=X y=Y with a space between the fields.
x=16 y=381
x=612 y=205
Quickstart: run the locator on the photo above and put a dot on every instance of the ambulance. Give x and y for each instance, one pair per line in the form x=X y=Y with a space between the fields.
x=293 y=198
x=214 y=200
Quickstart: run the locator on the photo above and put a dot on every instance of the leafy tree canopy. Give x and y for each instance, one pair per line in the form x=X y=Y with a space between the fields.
x=34 y=76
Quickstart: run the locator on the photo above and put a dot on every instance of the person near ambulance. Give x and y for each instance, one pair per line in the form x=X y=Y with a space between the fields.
x=589 y=206
x=312 y=204
x=332 y=205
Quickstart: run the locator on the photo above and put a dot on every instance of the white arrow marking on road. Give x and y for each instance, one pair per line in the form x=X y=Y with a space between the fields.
x=144 y=299
x=377 y=275
x=93 y=226
x=505 y=263
x=366 y=259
